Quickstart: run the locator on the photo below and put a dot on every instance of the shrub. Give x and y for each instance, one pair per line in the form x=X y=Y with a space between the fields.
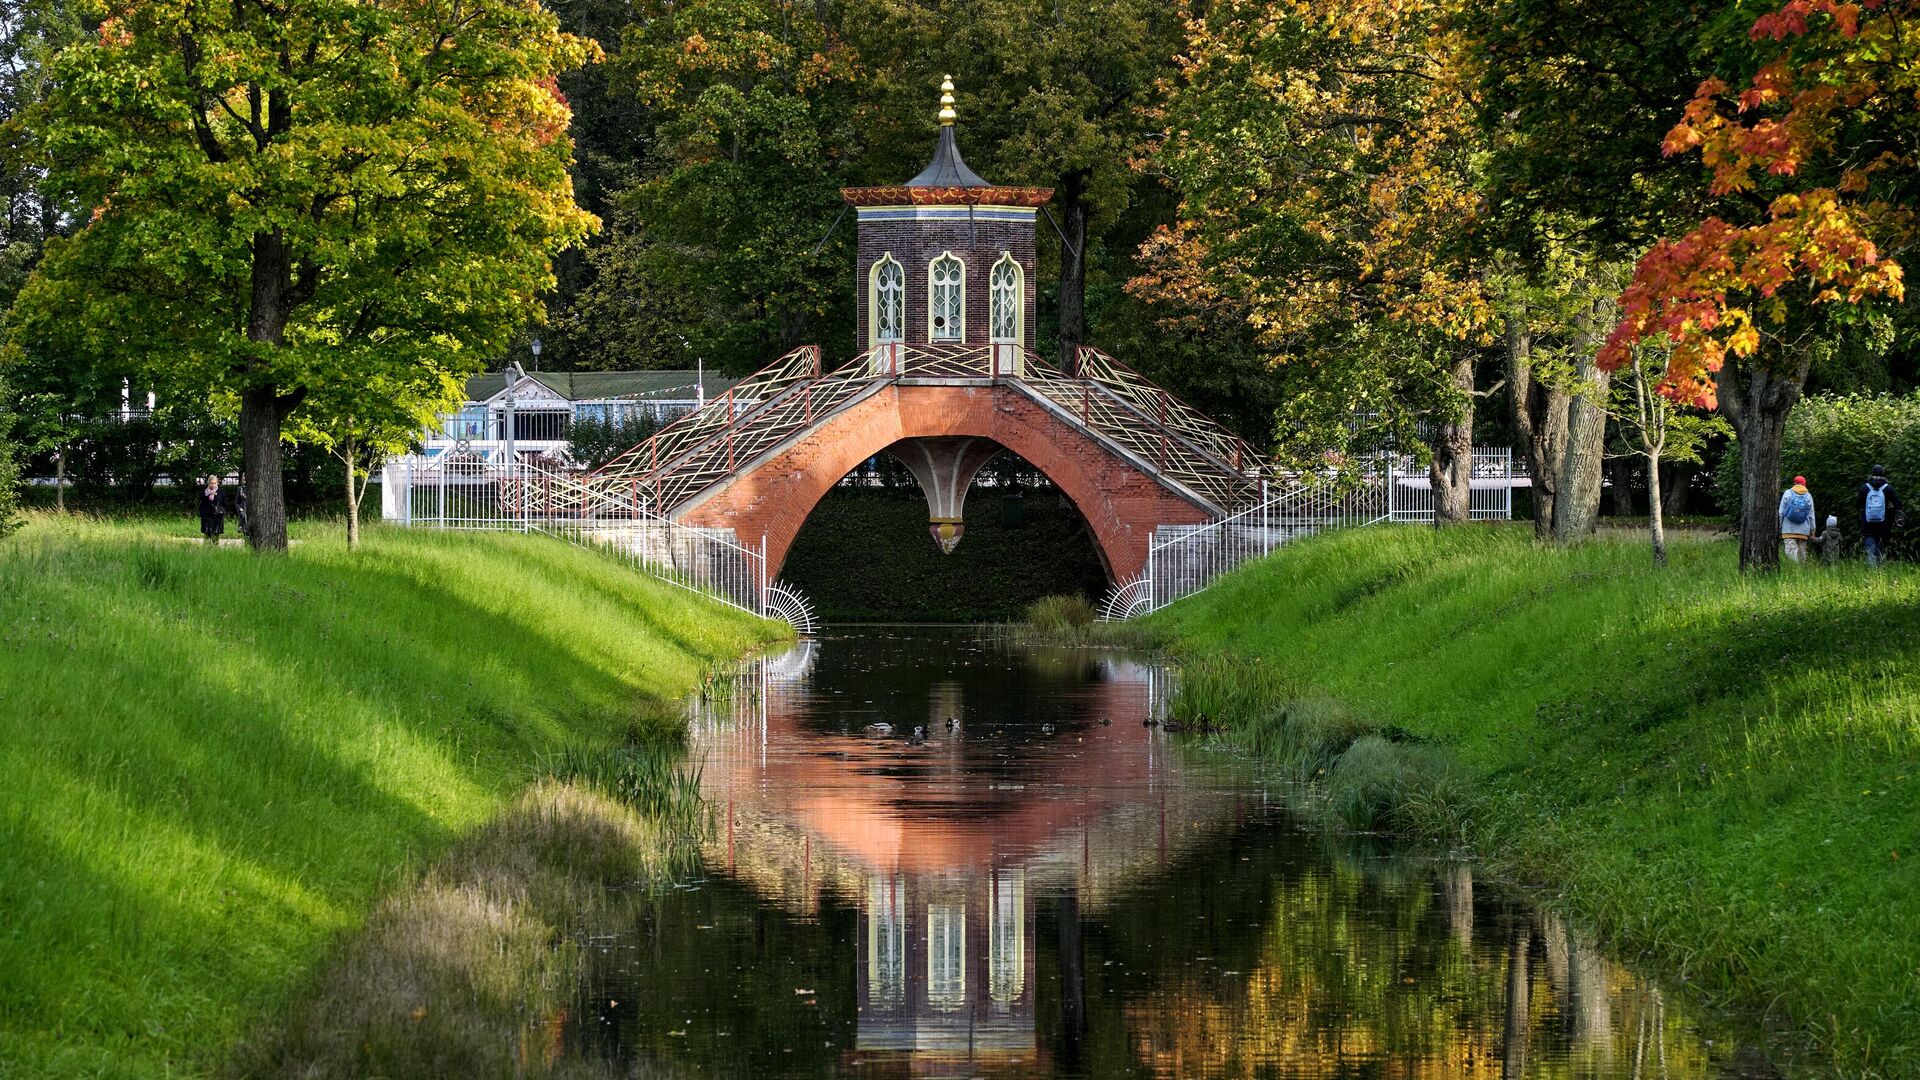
x=594 y=442
x=1059 y=614
x=9 y=483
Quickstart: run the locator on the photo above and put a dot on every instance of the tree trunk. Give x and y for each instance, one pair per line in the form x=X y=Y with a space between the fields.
x=262 y=407
x=353 y=499
x=1451 y=471
x=261 y=413
x=1514 y=1040
x=1756 y=402
x=1071 y=196
x=1620 y=487
x=1576 y=507
x=1675 y=489
x=1540 y=417
x=1656 y=513
x=60 y=479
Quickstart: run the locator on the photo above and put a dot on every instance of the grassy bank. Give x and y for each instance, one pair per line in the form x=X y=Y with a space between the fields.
x=211 y=764
x=1722 y=771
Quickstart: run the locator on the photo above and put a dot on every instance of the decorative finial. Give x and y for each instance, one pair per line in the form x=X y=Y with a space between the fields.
x=947 y=115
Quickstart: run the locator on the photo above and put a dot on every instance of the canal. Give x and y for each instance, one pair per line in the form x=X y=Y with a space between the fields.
x=934 y=853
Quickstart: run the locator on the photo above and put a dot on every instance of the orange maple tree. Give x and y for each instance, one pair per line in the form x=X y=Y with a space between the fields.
x=1830 y=118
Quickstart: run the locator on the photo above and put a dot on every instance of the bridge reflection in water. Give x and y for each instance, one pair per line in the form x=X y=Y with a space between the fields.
x=1029 y=890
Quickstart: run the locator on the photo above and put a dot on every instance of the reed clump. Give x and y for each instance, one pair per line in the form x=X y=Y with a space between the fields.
x=1071 y=620
x=472 y=972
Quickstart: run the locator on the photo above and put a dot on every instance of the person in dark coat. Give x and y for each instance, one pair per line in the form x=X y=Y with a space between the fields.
x=213 y=518
x=237 y=504
x=1880 y=511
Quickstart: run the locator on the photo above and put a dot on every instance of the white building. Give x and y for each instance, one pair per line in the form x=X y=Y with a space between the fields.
x=543 y=406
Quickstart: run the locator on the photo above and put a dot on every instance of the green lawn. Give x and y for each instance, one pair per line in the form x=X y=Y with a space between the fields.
x=1722 y=770
x=212 y=763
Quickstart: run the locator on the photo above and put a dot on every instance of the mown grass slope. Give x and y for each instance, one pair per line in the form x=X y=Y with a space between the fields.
x=1720 y=769
x=211 y=763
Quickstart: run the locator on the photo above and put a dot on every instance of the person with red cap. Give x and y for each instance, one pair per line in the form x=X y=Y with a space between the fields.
x=1796 y=520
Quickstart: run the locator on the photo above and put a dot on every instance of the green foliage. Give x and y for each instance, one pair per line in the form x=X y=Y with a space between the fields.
x=1577 y=96
x=329 y=193
x=647 y=774
x=752 y=110
x=9 y=480
x=211 y=765
x=1374 y=783
x=594 y=442
x=865 y=556
x=1715 y=767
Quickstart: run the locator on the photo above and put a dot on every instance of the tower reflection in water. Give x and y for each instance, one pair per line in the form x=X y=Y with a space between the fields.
x=947 y=839
x=1024 y=890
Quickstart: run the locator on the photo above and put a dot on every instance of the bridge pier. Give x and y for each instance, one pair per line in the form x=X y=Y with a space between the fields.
x=945 y=467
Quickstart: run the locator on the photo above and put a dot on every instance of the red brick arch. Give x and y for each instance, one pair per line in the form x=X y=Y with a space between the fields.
x=1121 y=503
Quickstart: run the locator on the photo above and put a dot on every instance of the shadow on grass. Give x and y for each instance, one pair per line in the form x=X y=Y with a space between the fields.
x=213 y=760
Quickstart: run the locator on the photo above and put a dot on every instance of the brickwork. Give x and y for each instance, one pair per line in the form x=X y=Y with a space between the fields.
x=915 y=244
x=1122 y=504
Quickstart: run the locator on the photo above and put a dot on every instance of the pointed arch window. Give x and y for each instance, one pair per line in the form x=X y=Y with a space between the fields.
x=1006 y=295
x=887 y=301
x=946 y=298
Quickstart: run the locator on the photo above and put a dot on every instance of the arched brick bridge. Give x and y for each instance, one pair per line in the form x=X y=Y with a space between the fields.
x=1130 y=457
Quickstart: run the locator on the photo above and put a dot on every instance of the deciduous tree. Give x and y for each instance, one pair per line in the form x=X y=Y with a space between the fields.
x=1327 y=165
x=1813 y=162
x=1056 y=95
x=754 y=111
x=288 y=192
x=364 y=420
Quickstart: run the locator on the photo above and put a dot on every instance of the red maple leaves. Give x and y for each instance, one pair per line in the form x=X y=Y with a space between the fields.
x=1713 y=291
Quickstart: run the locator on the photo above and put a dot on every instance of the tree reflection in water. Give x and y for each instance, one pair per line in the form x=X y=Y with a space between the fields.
x=1042 y=893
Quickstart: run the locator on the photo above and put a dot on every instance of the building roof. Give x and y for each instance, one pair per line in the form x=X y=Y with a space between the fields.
x=947 y=169
x=946 y=181
x=590 y=385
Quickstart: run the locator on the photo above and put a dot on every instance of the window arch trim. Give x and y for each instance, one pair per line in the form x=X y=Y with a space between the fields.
x=875 y=298
x=952 y=296
x=1007 y=309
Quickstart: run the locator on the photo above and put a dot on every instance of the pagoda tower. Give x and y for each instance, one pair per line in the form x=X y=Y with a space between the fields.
x=946 y=269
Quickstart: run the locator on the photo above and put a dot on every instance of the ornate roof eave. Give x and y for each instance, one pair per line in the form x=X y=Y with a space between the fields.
x=904 y=195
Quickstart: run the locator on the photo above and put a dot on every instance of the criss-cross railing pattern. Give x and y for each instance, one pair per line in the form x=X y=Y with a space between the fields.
x=1154 y=427
x=718 y=415
x=1113 y=403
x=712 y=444
x=1145 y=398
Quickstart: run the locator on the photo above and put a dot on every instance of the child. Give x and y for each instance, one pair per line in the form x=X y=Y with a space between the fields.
x=1830 y=541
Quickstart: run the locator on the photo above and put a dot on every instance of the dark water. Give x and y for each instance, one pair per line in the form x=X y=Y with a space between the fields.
x=1055 y=889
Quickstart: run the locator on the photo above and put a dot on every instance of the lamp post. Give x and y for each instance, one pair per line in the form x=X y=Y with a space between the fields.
x=507 y=418
x=536 y=353
x=699 y=375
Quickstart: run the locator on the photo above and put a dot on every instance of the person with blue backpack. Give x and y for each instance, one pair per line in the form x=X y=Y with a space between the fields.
x=1796 y=519
x=1879 y=514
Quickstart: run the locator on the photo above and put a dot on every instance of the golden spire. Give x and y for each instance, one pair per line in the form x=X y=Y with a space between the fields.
x=947 y=116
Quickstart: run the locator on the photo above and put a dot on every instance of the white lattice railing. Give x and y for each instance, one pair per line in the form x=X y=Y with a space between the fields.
x=1115 y=404
x=451 y=492
x=1184 y=559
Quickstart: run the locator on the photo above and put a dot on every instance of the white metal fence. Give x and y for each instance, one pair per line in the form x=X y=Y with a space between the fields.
x=463 y=493
x=1490 y=495
x=1184 y=559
